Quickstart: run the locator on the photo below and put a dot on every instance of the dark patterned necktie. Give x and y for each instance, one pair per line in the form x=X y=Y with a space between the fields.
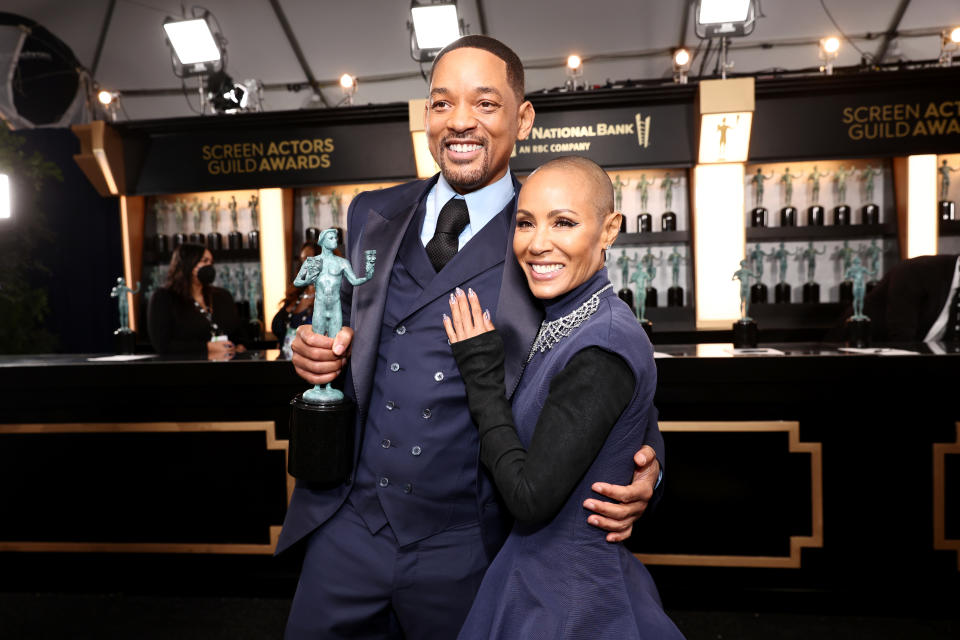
x=952 y=332
x=443 y=245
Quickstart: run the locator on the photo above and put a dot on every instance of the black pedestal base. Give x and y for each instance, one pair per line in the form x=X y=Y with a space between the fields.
x=648 y=327
x=675 y=297
x=668 y=221
x=745 y=334
x=788 y=217
x=651 y=297
x=758 y=293
x=871 y=285
x=235 y=240
x=841 y=215
x=214 y=241
x=321 y=442
x=312 y=235
x=178 y=239
x=947 y=210
x=623 y=224
x=846 y=292
x=255 y=329
x=781 y=293
x=253 y=239
x=870 y=214
x=758 y=217
x=626 y=294
x=815 y=216
x=857 y=332
x=811 y=292
x=644 y=223
x=197 y=238
x=161 y=243
x=126 y=341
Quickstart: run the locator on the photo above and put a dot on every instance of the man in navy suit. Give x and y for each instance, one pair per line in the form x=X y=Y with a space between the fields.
x=400 y=549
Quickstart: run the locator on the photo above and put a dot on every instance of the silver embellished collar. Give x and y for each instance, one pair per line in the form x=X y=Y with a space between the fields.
x=553 y=331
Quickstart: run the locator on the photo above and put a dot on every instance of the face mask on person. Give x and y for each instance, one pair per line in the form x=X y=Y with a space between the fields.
x=206 y=274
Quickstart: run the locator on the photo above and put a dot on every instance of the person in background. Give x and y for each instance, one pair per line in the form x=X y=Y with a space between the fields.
x=297 y=307
x=190 y=316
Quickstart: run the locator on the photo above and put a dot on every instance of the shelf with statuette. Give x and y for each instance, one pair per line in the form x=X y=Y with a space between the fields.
x=827 y=232
x=652 y=237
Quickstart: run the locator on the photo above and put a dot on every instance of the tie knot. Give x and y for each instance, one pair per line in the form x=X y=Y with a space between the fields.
x=454 y=216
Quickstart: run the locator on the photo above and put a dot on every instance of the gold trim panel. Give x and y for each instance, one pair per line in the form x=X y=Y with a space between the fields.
x=797 y=543
x=940 y=452
x=273 y=444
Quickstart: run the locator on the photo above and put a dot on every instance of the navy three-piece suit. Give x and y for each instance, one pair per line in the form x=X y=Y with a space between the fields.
x=406 y=541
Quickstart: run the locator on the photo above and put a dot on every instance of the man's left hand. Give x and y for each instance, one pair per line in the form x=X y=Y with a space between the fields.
x=632 y=500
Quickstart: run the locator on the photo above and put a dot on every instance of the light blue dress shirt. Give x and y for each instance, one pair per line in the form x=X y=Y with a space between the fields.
x=483 y=205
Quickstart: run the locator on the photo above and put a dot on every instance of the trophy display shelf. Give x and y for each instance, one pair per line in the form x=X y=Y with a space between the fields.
x=219 y=255
x=826 y=232
x=654 y=237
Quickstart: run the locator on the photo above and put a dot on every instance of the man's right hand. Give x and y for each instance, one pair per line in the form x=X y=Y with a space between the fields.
x=317 y=358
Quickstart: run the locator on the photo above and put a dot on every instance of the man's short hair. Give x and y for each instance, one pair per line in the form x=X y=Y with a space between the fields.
x=491 y=45
x=600 y=185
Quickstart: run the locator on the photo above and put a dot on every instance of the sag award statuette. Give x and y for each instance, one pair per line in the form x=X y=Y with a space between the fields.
x=214 y=238
x=811 y=290
x=234 y=238
x=179 y=210
x=625 y=293
x=644 y=220
x=948 y=208
x=253 y=237
x=643 y=277
x=649 y=262
x=675 y=292
x=126 y=338
x=781 y=292
x=841 y=212
x=668 y=221
x=758 y=292
x=758 y=216
x=845 y=254
x=815 y=211
x=196 y=209
x=161 y=244
x=858 y=325
x=744 y=329
x=788 y=214
x=870 y=213
x=322 y=418
x=618 y=186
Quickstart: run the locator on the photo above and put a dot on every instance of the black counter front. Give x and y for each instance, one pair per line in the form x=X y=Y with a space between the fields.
x=812 y=472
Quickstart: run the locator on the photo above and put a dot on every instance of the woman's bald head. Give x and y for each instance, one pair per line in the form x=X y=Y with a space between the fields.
x=601 y=189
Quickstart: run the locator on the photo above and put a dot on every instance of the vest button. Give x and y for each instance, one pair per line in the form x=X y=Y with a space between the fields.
x=385 y=443
x=390 y=405
x=394 y=367
x=408 y=488
x=416 y=450
x=401 y=330
x=384 y=482
x=427 y=413
x=438 y=376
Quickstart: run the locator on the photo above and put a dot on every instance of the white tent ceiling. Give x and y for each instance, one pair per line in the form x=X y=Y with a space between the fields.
x=618 y=39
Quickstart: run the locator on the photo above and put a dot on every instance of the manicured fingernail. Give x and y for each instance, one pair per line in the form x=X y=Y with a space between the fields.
x=446 y=317
x=486 y=314
x=452 y=299
x=470 y=291
x=459 y=292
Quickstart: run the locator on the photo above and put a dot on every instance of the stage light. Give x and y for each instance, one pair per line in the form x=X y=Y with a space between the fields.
x=829 y=50
x=724 y=18
x=196 y=48
x=574 y=73
x=432 y=26
x=225 y=95
x=681 y=65
x=949 y=43
x=105 y=97
x=348 y=84
x=4 y=196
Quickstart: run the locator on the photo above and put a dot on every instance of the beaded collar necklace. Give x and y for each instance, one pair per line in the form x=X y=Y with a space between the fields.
x=553 y=331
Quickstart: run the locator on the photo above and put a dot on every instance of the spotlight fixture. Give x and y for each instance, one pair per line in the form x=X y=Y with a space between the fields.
x=949 y=44
x=106 y=97
x=829 y=50
x=110 y=101
x=225 y=95
x=574 y=73
x=197 y=46
x=681 y=65
x=4 y=196
x=432 y=25
x=348 y=84
x=724 y=18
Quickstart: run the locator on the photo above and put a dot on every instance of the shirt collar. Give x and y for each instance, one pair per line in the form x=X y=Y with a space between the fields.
x=483 y=204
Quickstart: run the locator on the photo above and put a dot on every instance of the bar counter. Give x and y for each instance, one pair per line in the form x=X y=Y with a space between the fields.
x=813 y=471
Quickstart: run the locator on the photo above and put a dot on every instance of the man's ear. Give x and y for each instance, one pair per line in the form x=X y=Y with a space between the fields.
x=525 y=118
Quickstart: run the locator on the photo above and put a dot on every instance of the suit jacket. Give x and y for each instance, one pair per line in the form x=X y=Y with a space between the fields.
x=378 y=220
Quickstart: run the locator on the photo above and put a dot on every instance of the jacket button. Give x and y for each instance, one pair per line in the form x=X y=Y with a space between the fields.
x=438 y=376
x=390 y=405
x=385 y=443
x=427 y=413
x=394 y=367
x=401 y=330
x=408 y=488
x=384 y=482
x=416 y=450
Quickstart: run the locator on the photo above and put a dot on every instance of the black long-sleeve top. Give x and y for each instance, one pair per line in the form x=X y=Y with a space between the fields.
x=584 y=402
x=177 y=327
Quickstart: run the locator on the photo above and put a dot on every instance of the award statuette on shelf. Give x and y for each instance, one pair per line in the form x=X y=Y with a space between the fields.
x=871 y=254
x=644 y=220
x=126 y=338
x=845 y=253
x=214 y=238
x=312 y=234
x=811 y=290
x=815 y=211
x=322 y=418
x=947 y=208
x=781 y=292
x=253 y=237
x=870 y=213
x=648 y=262
x=758 y=292
x=643 y=277
x=758 y=215
x=668 y=221
x=745 y=329
x=254 y=326
x=196 y=208
x=841 y=212
x=161 y=243
x=858 y=325
x=234 y=238
x=179 y=209
x=675 y=292
x=618 y=186
x=788 y=214
x=625 y=294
